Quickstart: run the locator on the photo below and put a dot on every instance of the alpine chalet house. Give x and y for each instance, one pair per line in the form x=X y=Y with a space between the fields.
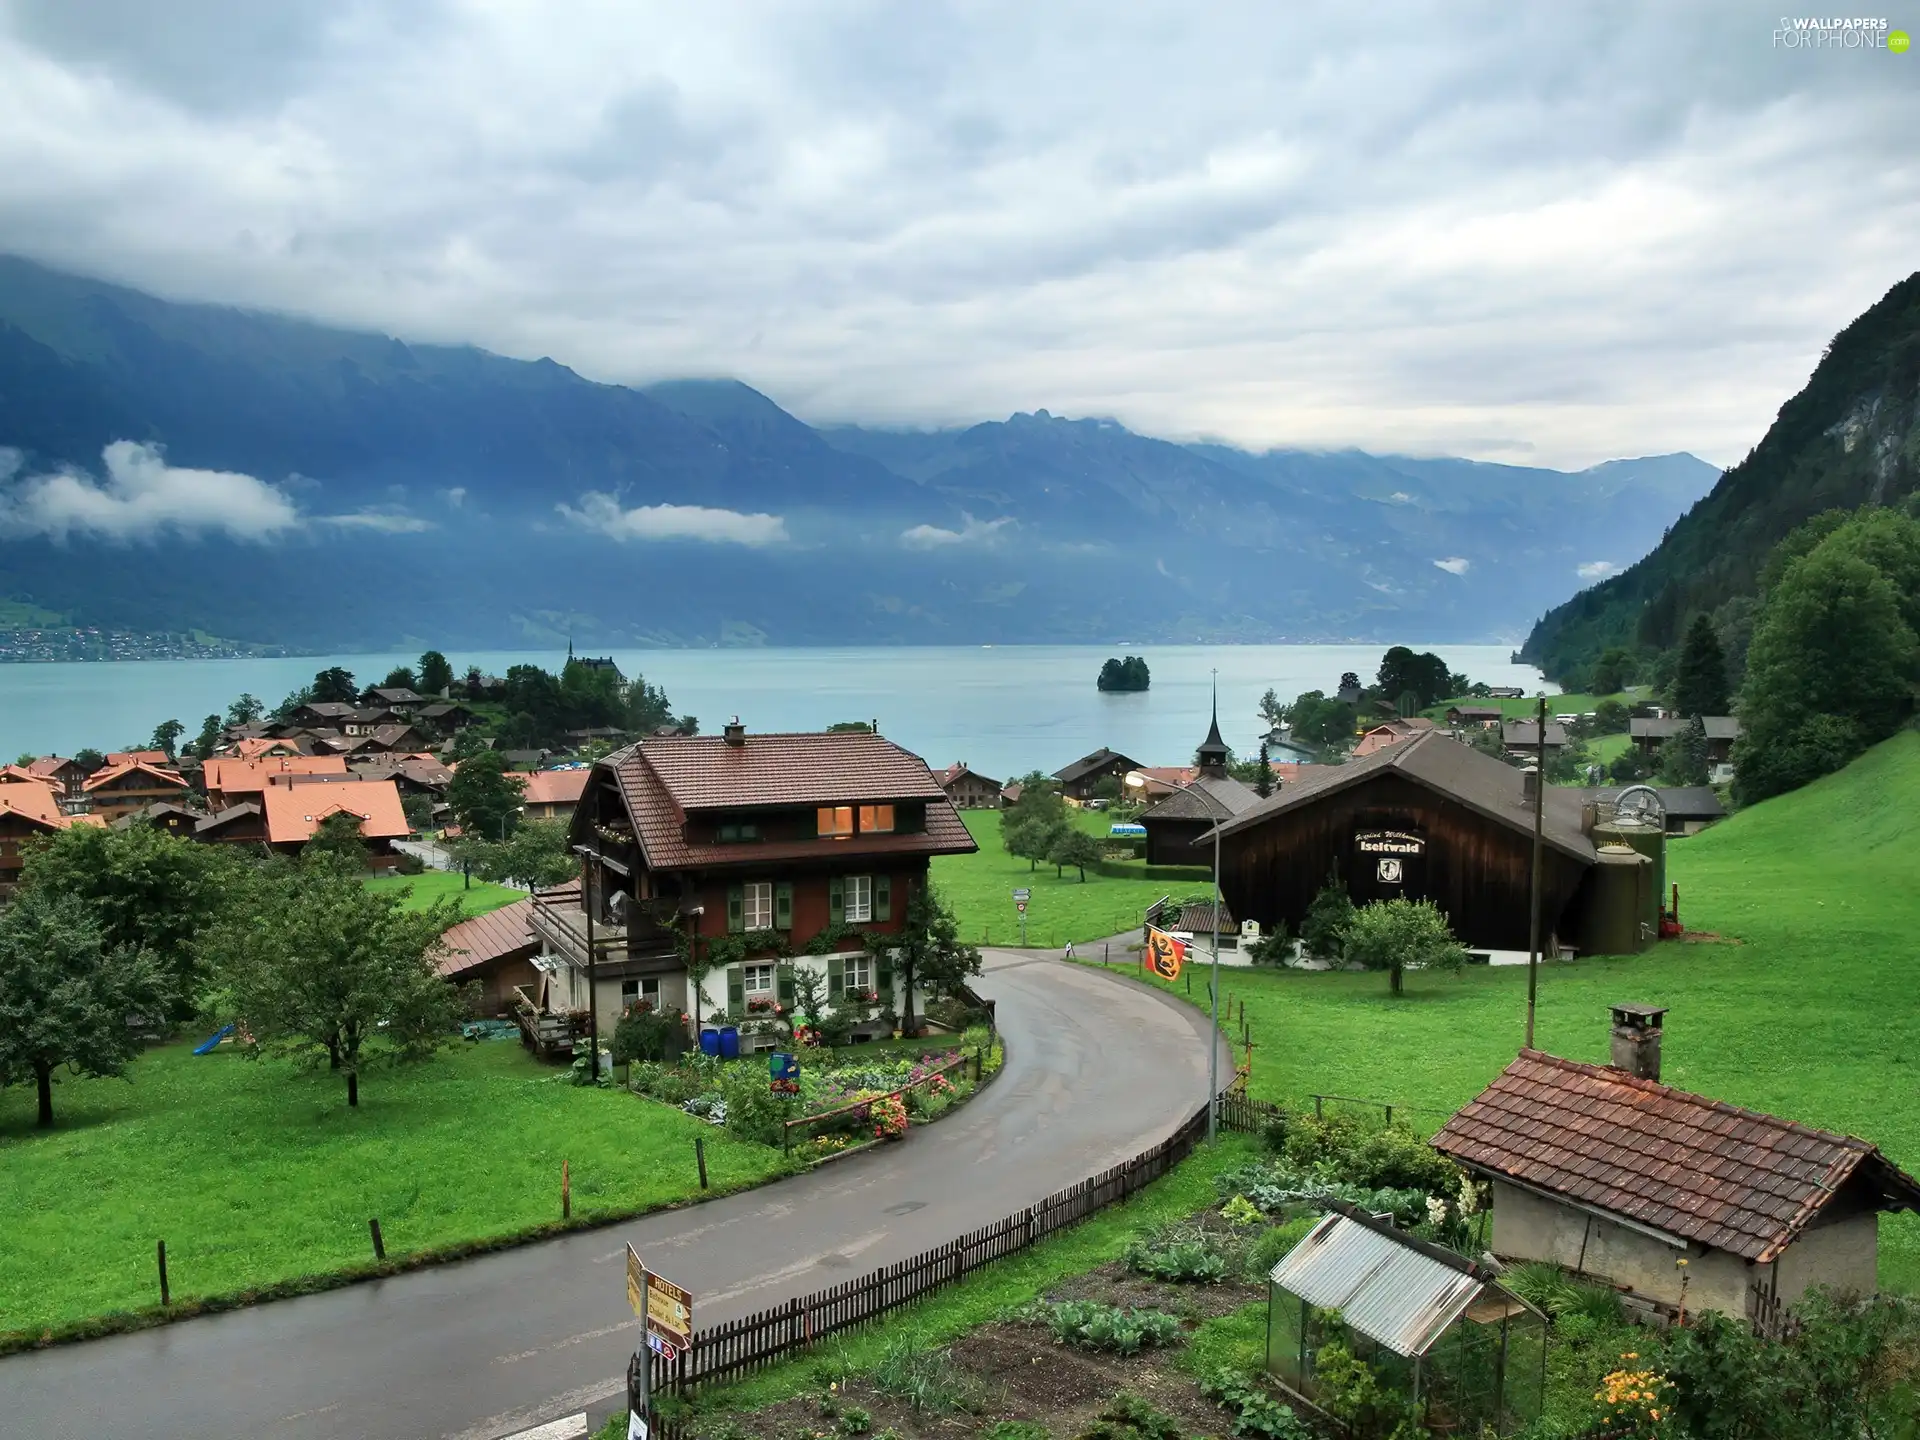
x=116 y=790
x=1083 y=776
x=757 y=853
x=1677 y=1200
x=968 y=788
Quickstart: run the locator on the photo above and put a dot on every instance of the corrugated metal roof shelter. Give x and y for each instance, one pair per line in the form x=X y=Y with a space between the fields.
x=1433 y=1324
x=1381 y=1286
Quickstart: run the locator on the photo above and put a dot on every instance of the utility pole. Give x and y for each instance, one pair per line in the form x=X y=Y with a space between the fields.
x=593 y=973
x=1213 y=1036
x=1533 y=891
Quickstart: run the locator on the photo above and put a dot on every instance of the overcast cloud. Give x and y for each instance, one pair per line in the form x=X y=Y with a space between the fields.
x=1553 y=234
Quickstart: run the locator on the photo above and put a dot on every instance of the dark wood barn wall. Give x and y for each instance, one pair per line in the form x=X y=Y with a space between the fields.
x=1474 y=869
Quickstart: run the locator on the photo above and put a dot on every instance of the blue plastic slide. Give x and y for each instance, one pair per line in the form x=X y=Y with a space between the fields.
x=205 y=1047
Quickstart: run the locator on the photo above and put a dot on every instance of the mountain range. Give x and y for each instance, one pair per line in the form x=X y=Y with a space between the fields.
x=1850 y=438
x=175 y=466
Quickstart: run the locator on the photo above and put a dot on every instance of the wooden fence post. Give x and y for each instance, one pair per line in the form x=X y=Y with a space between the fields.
x=700 y=1157
x=160 y=1250
x=379 y=1244
x=566 y=1191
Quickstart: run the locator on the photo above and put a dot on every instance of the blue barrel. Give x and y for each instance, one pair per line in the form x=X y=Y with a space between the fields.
x=710 y=1041
x=729 y=1042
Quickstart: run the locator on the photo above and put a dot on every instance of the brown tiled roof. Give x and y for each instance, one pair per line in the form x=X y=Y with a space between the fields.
x=32 y=802
x=945 y=778
x=498 y=935
x=227 y=817
x=1211 y=797
x=664 y=779
x=49 y=765
x=1087 y=764
x=116 y=758
x=1194 y=919
x=1458 y=772
x=1698 y=1169
x=555 y=787
x=1525 y=734
x=1717 y=727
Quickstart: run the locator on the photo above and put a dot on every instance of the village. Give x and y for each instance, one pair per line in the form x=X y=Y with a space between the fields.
x=679 y=916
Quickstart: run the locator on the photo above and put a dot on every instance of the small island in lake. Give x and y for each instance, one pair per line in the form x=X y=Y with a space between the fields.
x=1128 y=674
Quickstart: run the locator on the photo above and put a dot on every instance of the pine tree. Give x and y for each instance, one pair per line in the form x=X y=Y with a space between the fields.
x=1263 y=782
x=1700 y=687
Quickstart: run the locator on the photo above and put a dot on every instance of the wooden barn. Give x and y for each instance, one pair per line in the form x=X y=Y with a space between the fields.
x=1426 y=819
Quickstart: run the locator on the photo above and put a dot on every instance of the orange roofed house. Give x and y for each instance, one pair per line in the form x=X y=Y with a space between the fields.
x=553 y=794
x=27 y=809
x=768 y=852
x=294 y=812
x=236 y=781
x=117 y=790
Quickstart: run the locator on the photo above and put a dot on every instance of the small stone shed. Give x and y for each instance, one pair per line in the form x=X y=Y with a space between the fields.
x=1434 y=1325
x=1674 y=1198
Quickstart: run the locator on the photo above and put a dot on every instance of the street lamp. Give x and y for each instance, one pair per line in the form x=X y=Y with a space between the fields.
x=1139 y=782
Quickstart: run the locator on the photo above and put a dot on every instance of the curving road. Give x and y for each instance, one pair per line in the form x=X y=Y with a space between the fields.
x=1096 y=1071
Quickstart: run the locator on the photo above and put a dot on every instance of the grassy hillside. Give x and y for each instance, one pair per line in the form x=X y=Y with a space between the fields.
x=1850 y=438
x=1806 y=1009
x=424 y=890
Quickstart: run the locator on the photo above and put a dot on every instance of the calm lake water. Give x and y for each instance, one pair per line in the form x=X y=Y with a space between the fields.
x=1002 y=709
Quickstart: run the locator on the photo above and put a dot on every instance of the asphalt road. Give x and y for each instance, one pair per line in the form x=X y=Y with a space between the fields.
x=1097 y=1070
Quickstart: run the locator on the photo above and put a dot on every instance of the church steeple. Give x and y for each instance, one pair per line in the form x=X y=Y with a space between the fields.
x=1211 y=757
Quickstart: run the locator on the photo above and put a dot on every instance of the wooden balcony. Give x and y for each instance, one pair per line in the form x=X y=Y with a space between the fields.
x=561 y=924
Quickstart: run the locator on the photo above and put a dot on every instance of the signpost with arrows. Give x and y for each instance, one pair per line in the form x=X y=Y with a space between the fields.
x=666 y=1312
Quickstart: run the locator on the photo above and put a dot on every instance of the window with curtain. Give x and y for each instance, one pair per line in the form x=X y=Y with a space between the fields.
x=859 y=898
x=859 y=974
x=876 y=818
x=836 y=820
x=756 y=905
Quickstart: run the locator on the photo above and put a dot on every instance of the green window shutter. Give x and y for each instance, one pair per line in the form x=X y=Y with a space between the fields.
x=883 y=975
x=836 y=901
x=785 y=981
x=736 y=910
x=836 y=978
x=736 y=989
x=783 y=905
x=883 y=897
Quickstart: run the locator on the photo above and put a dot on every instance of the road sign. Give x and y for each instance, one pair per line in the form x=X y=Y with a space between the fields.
x=669 y=1312
x=1021 y=906
x=1023 y=894
x=636 y=1283
x=663 y=1348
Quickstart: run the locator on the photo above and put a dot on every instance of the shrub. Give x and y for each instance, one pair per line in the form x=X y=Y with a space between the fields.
x=645 y=1033
x=1089 y=1325
x=855 y=1421
x=1254 y=1411
x=1390 y=1157
x=1015 y=1430
x=1351 y=1392
x=408 y=863
x=1272 y=1247
x=1240 y=1211
x=1324 y=930
x=923 y=1378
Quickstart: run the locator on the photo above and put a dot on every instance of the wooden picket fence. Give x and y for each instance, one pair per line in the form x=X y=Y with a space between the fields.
x=753 y=1342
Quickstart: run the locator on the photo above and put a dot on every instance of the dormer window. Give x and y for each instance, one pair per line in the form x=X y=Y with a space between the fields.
x=876 y=818
x=734 y=832
x=837 y=820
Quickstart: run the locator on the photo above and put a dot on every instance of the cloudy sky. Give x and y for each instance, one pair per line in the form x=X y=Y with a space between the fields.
x=1551 y=234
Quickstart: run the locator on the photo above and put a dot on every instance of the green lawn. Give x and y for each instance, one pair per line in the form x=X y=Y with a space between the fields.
x=256 y=1172
x=1606 y=749
x=1811 y=1015
x=980 y=889
x=435 y=884
x=1526 y=707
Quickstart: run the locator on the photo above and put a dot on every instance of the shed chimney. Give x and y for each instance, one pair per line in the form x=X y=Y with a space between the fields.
x=735 y=733
x=1530 y=783
x=1636 y=1039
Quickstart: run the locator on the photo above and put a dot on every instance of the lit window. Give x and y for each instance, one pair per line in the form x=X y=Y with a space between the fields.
x=859 y=898
x=836 y=820
x=758 y=981
x=756 y=905
x=876 y=817
x=859 y=974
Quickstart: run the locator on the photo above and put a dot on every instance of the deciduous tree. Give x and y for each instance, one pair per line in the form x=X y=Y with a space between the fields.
x=534 y=856
x=147 y=890
x=1683 y=758
x=333 y=686
x=317 y=966
x=1424 y=676
x=246 y=710
x=1072 y=846
x=484 y=795
x=207 y=740
x=66 y=992
x=928 y=952
x=166 y=736
x=1401 y=935
x=339 y=838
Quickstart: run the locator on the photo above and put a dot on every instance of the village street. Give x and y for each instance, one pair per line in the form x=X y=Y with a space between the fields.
x=1097 y=1070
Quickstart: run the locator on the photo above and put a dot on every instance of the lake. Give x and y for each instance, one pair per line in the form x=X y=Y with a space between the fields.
x=1002 y=709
